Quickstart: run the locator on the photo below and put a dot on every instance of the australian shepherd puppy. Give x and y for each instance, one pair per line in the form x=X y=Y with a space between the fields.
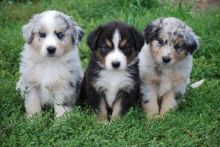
x=111 y=81
x=165 y=64
x=50 y=65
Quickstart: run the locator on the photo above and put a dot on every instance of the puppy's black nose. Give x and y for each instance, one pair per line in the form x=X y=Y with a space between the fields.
x=116 y=64
x=166 y=59
x=51 y=49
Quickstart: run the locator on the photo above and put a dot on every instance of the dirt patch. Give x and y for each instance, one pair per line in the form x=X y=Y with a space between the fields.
x=206 y=4
x=195 y=5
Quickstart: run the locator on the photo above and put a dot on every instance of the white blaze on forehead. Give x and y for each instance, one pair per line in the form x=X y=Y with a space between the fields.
x=49 y=25
x=116 y=54
x=116 y=38
x=48 y=20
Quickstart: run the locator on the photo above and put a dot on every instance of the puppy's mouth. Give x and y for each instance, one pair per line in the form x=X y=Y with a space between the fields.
x=51 y=55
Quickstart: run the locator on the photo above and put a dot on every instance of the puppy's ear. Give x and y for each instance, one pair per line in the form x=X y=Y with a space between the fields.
x=138 y=38
x=74 y=29
x=93 y=37
x=192 y=43
x=79 y=34
x=151 y=32
x=28 y=33
x=28 y=29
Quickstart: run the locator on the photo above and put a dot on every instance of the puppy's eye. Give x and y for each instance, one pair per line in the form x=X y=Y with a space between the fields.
x=160 y=42
x=60 y=35
x=104 y=50
x=177 y=46
x=127 y=50
x=42 y=34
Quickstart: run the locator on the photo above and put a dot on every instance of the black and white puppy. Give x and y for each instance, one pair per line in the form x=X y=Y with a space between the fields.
x=111 y=81
x=50 y=65
x=165 y=63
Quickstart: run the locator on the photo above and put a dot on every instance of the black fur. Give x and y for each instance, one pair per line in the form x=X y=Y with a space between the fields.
x=192 y=45
x=80 y=35
x=93 y=97
x=151 y=32
x=178 y=95
x=95 y=40
x=138 y=38
x=93 y=37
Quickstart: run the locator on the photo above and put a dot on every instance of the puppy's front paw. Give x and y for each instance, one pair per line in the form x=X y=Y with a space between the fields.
x=168 y=103
x=61 y=110
x=102 y=118
x=150 y=109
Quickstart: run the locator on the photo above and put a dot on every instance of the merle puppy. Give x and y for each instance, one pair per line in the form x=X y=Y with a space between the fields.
x=111 y=81
x=50 y=70
x=166 y=64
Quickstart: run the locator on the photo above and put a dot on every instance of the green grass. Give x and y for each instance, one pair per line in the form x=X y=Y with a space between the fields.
x=195 y=123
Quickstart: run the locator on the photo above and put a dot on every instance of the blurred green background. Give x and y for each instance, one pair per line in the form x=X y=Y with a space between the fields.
x=195 y=123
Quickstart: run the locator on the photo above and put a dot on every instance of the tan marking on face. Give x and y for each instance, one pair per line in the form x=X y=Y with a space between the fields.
x=109 y=43
x=59 y=29
x=66 y=44
x=122 y=43
x=100 y=57
x=179 y=40
x=180 y=54
x=164 y=37
x=158 y=51
x=37 y=42
x=155 y=49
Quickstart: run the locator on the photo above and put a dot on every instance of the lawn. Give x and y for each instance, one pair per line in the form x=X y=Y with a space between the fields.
x=195 y=123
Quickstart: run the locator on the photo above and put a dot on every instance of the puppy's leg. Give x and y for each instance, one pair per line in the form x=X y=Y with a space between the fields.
x=149 y=100
x=122 y=104
x=63 y=103
x=103 y=113
x=168 y=102
x=61 y=109
x=98 y=104
x=32 y=102
x=117 y=108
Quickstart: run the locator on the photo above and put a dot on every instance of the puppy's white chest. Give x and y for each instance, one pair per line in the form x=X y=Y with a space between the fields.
x=51 y=74
x=111 y=82
x=170 y=79
x=164 y=85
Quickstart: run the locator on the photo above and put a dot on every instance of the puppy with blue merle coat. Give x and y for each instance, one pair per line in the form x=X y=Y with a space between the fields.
x=111 y=81
x=50 y=65
x=165 y=64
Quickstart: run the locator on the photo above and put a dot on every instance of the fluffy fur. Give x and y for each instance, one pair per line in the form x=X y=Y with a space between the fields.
x=111 y=81
x=165 y=64
x=50 y=65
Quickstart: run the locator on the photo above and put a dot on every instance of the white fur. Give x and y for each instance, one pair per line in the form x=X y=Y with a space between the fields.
x=116 y=54
x=147 y=67
x=161 y=80
x=111 y=81
x=165 y=87
x=46 y=80
x=197 y=84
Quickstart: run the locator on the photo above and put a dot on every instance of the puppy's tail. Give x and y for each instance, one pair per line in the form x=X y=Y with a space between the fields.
x=197 y=84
